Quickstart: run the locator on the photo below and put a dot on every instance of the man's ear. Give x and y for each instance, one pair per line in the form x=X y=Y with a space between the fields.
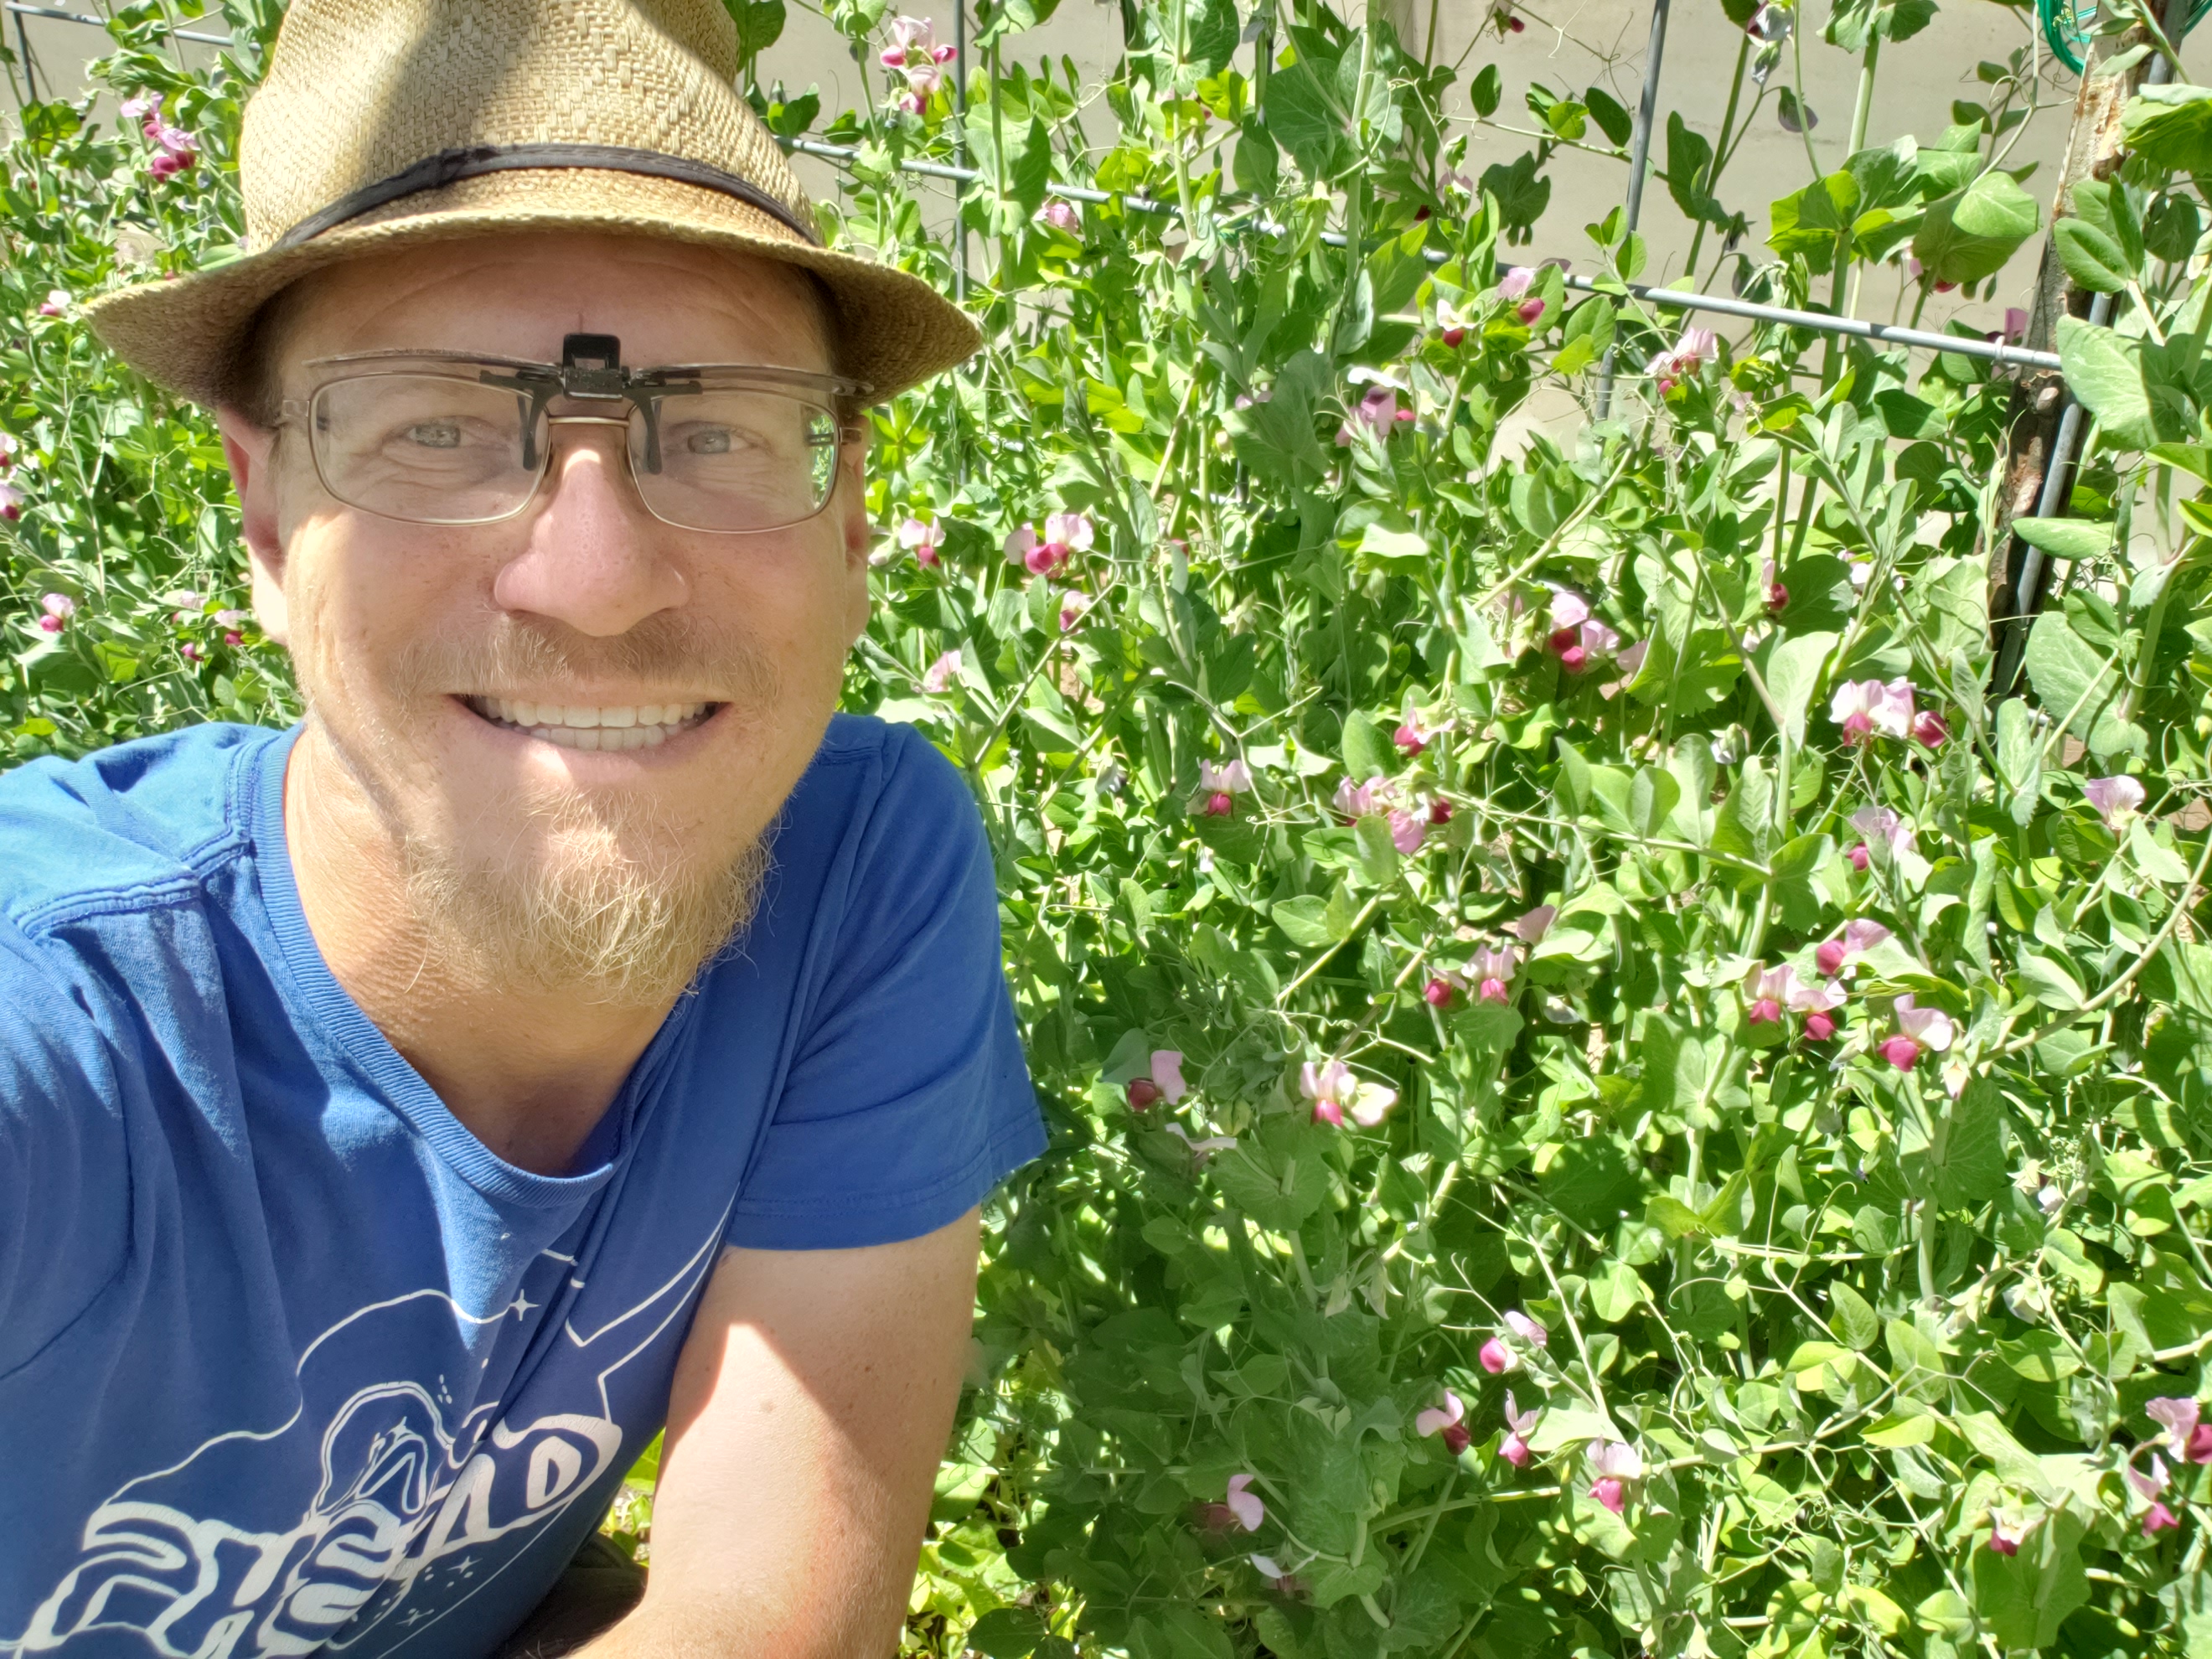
x=251 y=451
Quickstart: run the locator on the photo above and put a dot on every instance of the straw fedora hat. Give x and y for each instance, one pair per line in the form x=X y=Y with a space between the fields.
x=386 y=124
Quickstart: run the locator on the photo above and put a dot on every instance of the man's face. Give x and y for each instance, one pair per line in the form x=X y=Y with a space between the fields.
x=415 y=644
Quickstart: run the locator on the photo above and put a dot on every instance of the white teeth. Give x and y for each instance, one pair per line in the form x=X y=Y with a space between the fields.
x=644 y=725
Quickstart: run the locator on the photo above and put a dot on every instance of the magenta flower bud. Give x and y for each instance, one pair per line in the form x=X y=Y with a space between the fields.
x=1765 y=1011
x=2157 y=1519
x=1529 y=309
x=1574 y=659
x=2003 y=1545
x=1610 y=1492
x=1777 y=597
x=233 y=637
x=1929 y=728
x=2199 y=1447
x=1439 y=811
x=1901 y=1052
x=1218 y=804
x=1564 y=640
x=1438 y=993
x=1858 y=858
x=1493 y=990
x=1514 y=1451
x=1493 y=1356
x=1143 y=1092
x=1453 y=337
x=50 y=624
x=1829 y=958
x=1410 y=739
x=1330 y=1112
x=1820 y=1025
x=1456 y=1438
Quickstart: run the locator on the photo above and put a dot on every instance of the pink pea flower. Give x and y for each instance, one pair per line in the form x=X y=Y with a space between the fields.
x=1531 y=928
x=1527 y=1330
x=1859 y=936
x=2014 y=330
x=1495 y=1357
x=1142 y=1093
x=1452 y=323
x=2147 y=1483
x=1440 y=992
x=1817 y=1002
x=1336 y=1090
x=1440 y=810
x=140 y=105
x=1244 y=1504
x=1167 y=1074
x=913 y=38
x=1491 y=972
x=1919 y=1029
x=1408 y=831
x=923 y=540
x=1231 y=777
x=1071 y=609
x=1764 y=990
x=1820 y=1025
x=939 y=675
x=2009 y=1526
x=1770 y=26
x=1696 y=346
x=59 y=608
x=1503 y=19
x=1519 y=1425
x=1628 y=663
x=1444 y=1419
x=1062 y=216
x=1928 y=729
x=11 y=502
x=9 y=448
x=1857 y=855
x=191 y=653
x=1218 y=804
x=1415 y=734
x=56 y=304
x=1065 y=534
x=1515 y=282
x=2117 y=798
x=174 y=142
x=2177 y=1416
x=2157 y=1518
x=1614 y=1463
x=1378 y=412
x=1863 y=707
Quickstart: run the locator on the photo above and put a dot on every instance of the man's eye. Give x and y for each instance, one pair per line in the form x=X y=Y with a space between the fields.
x=710 y=440
x=435 y=435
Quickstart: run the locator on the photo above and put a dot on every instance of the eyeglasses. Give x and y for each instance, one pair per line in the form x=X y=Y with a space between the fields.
x=442 y=439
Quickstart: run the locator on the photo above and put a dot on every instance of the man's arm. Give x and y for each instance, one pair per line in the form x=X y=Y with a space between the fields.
x=811 y=1410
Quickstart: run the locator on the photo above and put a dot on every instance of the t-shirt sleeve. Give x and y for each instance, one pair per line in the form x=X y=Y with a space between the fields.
x=65 y=1178
x=907 y=1099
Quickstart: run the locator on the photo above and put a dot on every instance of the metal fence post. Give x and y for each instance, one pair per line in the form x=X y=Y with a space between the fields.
x=1639 y=154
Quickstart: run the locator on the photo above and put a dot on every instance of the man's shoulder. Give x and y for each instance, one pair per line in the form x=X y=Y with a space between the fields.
x=139 y=822
x=875 y=767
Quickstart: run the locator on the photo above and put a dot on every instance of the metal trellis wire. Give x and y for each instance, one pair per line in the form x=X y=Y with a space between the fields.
x=61 y=16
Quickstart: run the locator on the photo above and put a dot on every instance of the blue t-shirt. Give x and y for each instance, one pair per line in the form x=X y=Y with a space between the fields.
x=290 y=1360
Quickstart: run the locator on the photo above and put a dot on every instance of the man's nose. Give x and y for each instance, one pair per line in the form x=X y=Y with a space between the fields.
x=594 y=559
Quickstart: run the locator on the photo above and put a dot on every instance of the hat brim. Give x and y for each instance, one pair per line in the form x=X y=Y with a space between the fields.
x=894 y=330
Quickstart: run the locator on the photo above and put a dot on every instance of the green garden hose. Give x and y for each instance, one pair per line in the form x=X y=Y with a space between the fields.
x=2067 y=24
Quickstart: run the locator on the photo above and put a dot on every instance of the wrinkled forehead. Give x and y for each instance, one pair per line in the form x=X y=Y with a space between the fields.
x=520 y=295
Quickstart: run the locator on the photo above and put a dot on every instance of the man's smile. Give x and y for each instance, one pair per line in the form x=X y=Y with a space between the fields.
x=572 y=726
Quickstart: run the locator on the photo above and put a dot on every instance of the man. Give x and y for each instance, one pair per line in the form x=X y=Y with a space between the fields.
x=569 y=1028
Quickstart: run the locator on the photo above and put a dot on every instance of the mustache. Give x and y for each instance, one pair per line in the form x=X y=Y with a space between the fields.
x=682 y=655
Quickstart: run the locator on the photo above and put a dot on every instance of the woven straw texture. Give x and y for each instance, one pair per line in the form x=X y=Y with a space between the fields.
x=359 y=90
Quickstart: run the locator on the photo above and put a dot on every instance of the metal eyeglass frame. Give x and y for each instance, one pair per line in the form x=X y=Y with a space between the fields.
x=590 y=370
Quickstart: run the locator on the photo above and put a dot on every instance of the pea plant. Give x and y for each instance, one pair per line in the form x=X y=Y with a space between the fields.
x=1615 y=1089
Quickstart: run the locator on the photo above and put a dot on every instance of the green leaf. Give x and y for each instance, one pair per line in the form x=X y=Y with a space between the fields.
x=1851 y=1317
x=1307 y=922
x=2026 y=1597
x=1793 y=676
x=2106 y=373
x=2040 y=1357
x=2051 y=982
x=1810 y=222
x=1969 y=1159
x=2078 y=685
x=1966 y=237
x=1277 y=1188
x=760 y=24
x=1210 y=33
x=2065 y=538
x=2171 y=127
x=2093 y=259
x=1301 y=118
x=1008 y=1633
x=1366 y=751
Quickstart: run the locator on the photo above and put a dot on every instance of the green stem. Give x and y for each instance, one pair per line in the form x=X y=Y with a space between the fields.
x=1861 y=109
